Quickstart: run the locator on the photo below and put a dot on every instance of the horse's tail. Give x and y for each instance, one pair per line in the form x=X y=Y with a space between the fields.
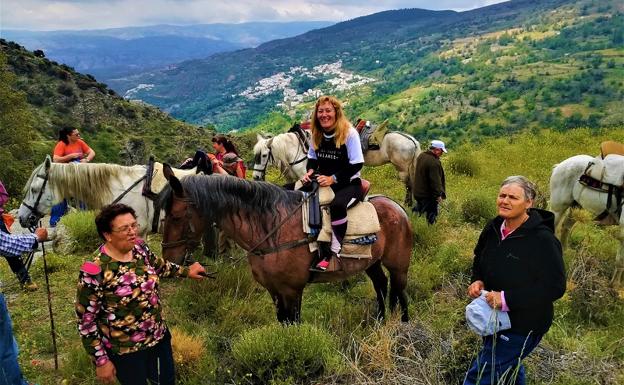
x=411 y=170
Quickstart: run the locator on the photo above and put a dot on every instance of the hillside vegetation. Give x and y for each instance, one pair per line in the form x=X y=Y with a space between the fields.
x=39 y=96
x=225 y=331
x=459 y=75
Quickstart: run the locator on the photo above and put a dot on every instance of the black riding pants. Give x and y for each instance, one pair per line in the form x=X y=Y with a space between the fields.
x=154 y=364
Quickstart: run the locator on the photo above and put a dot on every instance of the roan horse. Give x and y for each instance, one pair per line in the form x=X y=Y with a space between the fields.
x=288 y=153
x=249 y=212
x=95 y=184
x=566 y=191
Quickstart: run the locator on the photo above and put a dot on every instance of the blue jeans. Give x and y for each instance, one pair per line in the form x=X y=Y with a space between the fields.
x=505 y=353
x=10 y=373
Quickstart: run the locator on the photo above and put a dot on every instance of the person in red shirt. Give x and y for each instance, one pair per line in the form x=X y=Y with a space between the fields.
x=70 y=148
x=227 y=160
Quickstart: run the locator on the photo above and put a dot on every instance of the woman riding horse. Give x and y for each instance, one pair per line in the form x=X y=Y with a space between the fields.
x=336 y=155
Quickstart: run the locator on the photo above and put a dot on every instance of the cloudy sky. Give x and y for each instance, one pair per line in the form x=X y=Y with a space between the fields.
x=95 y=14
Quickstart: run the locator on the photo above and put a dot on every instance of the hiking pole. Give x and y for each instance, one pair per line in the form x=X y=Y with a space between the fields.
x=52 y=329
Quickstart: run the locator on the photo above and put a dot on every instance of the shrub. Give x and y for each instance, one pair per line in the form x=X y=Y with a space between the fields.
x=284 y=353
x=80 y=234
x=478 y=209
x=592 y=299
x=463 y=164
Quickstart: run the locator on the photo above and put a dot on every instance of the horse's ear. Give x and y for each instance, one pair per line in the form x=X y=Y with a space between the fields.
x=167 y=171
x=48 y=162
x=259 y=137
x=176 y=186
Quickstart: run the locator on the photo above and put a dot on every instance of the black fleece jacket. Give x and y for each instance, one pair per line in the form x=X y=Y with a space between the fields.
x=527 y=265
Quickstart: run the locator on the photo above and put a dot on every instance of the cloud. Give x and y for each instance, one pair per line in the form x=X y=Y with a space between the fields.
x=96 y=14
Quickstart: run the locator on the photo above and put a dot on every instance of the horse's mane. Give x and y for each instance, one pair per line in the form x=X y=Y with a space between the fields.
x=216 y=196
x=89 y=182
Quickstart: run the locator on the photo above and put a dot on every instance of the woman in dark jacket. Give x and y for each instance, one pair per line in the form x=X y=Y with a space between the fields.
x=519 y=262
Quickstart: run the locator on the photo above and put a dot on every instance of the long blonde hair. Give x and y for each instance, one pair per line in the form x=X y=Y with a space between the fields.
x=341 y=128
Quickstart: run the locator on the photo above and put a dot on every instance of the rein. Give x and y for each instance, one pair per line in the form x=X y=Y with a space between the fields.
x=191 y=243
x=284 y=246
x=123 y=194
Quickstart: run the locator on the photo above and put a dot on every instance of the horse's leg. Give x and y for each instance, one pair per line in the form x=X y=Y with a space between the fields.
x=210 y=243
x=567 y=222
x=398 y=282
x=408 y=193
x=288 y=306
x=380 y=283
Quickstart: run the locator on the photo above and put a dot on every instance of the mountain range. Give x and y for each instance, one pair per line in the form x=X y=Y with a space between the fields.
x=491 y=70
x=110 y=53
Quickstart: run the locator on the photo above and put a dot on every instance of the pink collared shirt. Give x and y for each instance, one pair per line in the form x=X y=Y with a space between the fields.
x=504 y=234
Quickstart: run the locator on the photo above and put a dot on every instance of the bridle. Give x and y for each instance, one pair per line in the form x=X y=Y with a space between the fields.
x=191 y=244
x=35 y=208
x=270 y=158
x=189 y=233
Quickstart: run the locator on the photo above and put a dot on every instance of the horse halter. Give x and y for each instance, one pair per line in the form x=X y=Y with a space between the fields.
x=35 y=214
x=188 y=232
x=269 y=159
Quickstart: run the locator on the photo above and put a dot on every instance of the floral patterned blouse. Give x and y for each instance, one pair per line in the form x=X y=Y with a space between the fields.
x=118 y=305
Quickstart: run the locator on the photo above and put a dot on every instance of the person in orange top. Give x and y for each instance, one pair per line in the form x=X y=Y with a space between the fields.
x=70 y=148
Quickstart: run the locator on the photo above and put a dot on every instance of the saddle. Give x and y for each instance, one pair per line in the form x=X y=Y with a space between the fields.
x=609 y=147
x=605 y=173
x=363 y=224
x=371 y=136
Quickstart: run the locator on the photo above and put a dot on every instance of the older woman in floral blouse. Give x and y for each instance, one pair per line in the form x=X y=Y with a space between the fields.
x=118 y=305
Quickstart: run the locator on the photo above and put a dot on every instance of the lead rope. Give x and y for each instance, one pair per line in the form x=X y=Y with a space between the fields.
x=52 y=328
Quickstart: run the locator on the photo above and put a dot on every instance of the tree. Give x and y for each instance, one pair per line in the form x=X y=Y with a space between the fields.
x=16 y=132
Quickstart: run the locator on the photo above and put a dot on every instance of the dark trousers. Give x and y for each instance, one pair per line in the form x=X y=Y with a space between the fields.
x=504 y=353
x=154 y=364
x=427 y=206
x=16 y=263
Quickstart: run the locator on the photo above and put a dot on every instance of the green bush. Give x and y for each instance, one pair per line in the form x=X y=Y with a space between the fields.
x=478 y=209
x=284 y=354
x=463 y=164
x=81 y=235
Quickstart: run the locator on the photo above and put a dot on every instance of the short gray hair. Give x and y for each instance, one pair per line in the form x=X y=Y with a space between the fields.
x=529 y=188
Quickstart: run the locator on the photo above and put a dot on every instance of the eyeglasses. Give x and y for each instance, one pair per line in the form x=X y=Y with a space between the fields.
x=76 y=133
x=126 y=229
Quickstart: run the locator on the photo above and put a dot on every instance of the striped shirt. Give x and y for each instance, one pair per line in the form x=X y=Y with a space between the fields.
x=12 y=245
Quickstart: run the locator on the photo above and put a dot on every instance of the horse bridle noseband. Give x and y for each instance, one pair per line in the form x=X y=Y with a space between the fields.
x=189 y=234
x=35 y=208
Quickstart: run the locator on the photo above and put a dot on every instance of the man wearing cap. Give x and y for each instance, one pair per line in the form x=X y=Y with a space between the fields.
x=429 y=185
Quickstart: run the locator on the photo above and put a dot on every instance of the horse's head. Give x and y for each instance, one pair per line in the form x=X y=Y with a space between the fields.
x=183 y=227
x=262 y=157
x=38 y=198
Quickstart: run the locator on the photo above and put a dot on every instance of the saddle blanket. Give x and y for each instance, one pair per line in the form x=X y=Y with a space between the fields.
x=158 y=178
x=362 y=221
x=609 y=170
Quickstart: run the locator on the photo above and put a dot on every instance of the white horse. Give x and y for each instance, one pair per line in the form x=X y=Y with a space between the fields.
x=289 y=153
x=95 y=184
x=566 y=191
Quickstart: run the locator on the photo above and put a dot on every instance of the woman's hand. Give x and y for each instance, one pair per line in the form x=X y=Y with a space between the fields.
x=325 y=181
x=106 y=373
x=196 y=270
x=494 y=299
x=306 y=177
x=474 y=290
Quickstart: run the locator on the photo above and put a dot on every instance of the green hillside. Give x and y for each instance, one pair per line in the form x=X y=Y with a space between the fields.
x=460 y=75
x=39 y=96
x=225 y=330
